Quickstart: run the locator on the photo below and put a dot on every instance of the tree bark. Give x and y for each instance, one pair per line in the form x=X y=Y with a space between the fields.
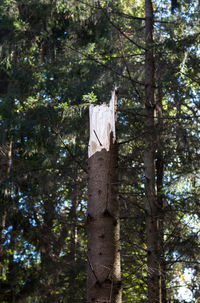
x=6 y=163
x=159 y=188
x=73 y=239
x=152 y=211
x=159 y=183
x=103 y=226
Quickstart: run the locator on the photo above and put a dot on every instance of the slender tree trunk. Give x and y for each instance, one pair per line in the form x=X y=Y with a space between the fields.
x=152 y=211
x=73 y=213
x=5 y=200
x=46 y=251
x=104 y=276
x=4 y=195
x=73 y=240
x=159 y=183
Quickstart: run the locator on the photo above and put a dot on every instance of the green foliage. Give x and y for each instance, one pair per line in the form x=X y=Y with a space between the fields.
x=90 y=98
x=57 y=58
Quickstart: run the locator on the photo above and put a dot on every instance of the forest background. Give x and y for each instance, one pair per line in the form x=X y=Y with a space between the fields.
x=57 y=58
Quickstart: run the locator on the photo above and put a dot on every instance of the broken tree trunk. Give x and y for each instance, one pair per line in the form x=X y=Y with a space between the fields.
x=103 y=227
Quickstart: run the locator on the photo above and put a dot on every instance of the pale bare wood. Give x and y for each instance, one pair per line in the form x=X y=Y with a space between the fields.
x=102 y=125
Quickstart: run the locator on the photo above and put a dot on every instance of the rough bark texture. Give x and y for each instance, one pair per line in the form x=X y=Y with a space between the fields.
x=152 y=211
x=103 y=226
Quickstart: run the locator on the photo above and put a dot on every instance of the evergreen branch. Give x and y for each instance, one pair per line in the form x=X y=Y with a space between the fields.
x=129 y=73
x=129 y=140
x=70 y=152
x=90 y=58
x=127 y=16
x=178 y=117
x=123 y=34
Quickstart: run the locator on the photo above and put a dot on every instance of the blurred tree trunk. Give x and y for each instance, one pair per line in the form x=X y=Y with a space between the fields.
x=6 y=163
x=159 y=188
x=73 y=239
x=104 y=276
x=152 y=210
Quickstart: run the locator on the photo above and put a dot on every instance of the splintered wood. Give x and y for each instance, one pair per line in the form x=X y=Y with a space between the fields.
x=103 y=222
x=102 y=126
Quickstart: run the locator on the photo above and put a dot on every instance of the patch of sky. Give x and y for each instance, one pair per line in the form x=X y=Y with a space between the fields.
x=65 y=206
x=66 y=141
x=193 y=222
x=183 y=187
x=47 y=98
x=122 y=120
x=7 y=235
x=32 y=221
x=27 y=253
x=163 y=9
x=22 y=202
x=183 y=281
x=44 y=75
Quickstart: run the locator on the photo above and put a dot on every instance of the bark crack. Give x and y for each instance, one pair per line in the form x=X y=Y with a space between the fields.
x=92 y=269
x=97 y=137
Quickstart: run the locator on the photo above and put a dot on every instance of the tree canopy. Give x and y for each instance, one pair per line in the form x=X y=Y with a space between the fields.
x=57 y=58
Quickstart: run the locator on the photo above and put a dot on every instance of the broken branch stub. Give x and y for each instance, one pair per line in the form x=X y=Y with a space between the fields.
x=102 y=126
